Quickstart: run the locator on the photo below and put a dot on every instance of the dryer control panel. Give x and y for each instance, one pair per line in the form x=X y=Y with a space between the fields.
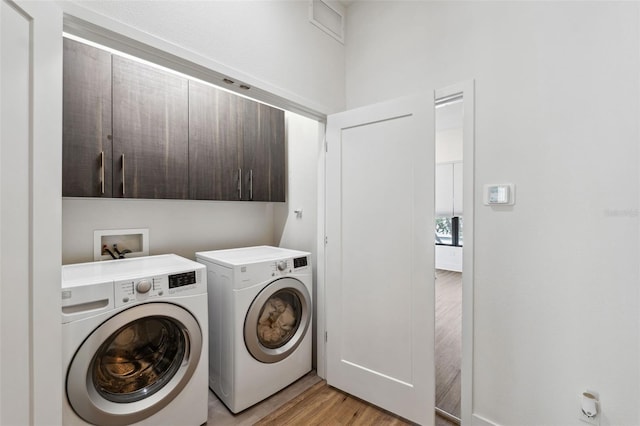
x=287 y=266
x=299 y=262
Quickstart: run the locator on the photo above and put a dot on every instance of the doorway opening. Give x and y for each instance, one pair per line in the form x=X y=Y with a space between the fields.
x=449 y=241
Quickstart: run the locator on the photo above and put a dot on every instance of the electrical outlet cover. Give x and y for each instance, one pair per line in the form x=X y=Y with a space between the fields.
x=595 y=420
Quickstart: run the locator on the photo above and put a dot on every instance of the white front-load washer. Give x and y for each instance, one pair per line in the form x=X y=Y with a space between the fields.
x=260 y=316
x=135 y=342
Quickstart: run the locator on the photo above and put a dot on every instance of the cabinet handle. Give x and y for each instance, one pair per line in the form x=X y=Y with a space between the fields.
x=251 y=184
x=102 y=172
x=123 y=186
x=240 y=184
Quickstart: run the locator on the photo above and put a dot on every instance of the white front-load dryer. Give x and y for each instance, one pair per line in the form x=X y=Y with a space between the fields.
x=260 y=316
x=135 y=342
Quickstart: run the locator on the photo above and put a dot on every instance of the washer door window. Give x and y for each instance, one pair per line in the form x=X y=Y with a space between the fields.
x=277 y=320
x=127 y=370
x=138 y=359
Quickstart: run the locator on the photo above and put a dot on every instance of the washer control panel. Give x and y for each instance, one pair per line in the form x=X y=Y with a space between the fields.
x=183 y=279
x=142 y=289
x=143 y=286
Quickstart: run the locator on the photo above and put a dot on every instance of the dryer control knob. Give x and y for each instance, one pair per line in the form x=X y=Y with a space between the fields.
x=282 y=265
x=143 y=286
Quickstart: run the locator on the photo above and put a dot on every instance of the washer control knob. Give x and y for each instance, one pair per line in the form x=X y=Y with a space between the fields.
x=282 y=265
x=143 y=286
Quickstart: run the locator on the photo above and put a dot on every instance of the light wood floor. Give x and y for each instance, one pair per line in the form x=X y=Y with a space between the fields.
x=309 y=401
x=448 y=340
x=324 y=405
x=219 y=415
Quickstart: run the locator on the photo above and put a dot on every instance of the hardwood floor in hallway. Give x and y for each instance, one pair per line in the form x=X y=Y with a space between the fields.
x=448 y=340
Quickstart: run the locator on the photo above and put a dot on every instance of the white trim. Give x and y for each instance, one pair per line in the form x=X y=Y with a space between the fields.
x=467 y=89
x=321 y=363
x=638 y=159
x=481 y=421
x=105 y=31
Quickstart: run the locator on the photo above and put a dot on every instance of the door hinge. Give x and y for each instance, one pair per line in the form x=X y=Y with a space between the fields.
x=326 y=336
x=326 y=146
x=326 y=240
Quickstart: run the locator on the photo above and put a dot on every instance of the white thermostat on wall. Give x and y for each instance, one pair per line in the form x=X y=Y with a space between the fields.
x=499 y=194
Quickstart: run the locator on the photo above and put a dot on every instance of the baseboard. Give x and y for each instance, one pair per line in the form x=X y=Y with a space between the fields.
x=477 y=420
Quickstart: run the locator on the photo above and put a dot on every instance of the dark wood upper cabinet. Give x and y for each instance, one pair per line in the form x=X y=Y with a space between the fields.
x=87 y=146
x=150 y=131
x=263 y=152
x=236 y=147
x=214 y=128
x=273 y=135
x=134 y=130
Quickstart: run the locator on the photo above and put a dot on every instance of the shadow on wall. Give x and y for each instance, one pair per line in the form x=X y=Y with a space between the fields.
x=295 y=221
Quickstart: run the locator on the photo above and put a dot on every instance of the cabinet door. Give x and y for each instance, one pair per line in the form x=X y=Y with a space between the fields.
x=150 y=131
x=272 y=133
x=254 y=154
x=263 y=152
x=214 y=164
x=87 y=145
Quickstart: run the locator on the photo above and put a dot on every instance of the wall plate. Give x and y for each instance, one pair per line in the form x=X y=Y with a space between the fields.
x=136 y=241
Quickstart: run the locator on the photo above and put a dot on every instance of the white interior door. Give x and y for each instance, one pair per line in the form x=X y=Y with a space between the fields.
x=380 y=255
x=30 y=212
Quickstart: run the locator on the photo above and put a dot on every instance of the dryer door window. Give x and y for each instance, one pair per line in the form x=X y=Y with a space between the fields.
x=138 y=359
x=134 y=364
x=277 y=320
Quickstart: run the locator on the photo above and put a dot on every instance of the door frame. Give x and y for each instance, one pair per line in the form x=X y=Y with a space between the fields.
x=467 y=90
x=30 y=275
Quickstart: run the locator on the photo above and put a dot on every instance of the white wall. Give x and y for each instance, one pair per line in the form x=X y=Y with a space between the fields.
x=175 y=226
x=303 y=148
x=556 y=275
